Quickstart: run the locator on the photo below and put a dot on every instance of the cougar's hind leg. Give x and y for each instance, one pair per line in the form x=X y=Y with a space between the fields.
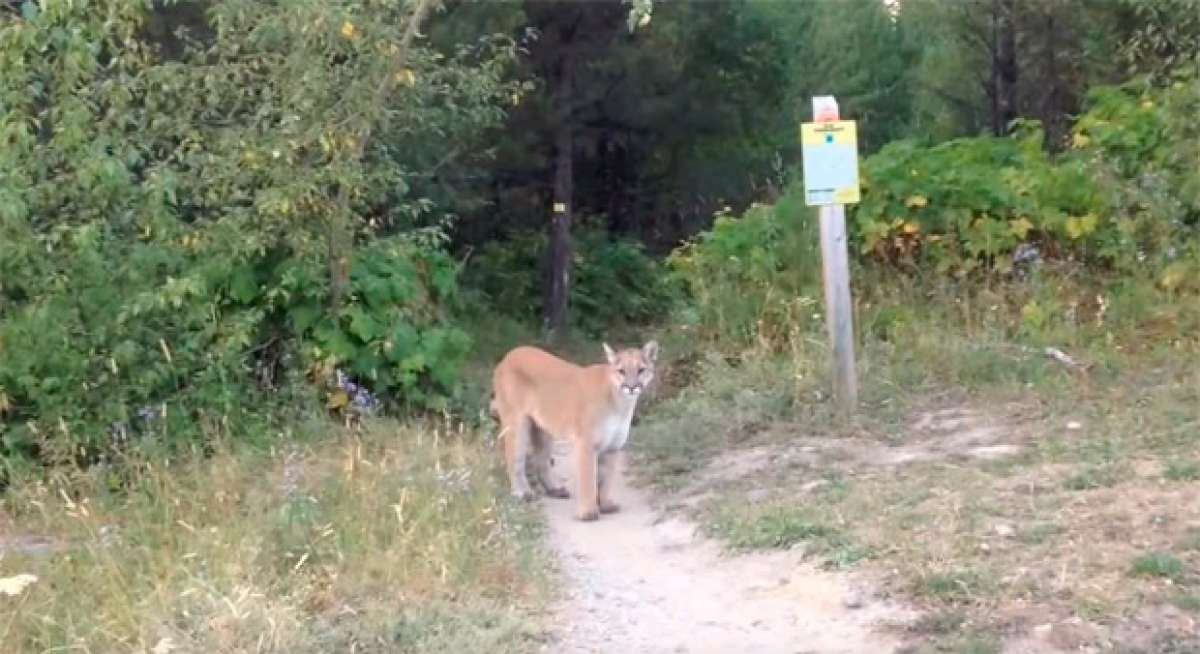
x=516 y=449
x=541 y=449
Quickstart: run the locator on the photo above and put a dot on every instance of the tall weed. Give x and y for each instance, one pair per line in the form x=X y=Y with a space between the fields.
x=392 y=540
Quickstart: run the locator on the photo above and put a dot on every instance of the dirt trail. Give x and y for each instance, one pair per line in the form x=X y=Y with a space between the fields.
x=642 y=585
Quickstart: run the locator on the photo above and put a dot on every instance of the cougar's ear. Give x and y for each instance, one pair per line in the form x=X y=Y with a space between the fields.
x=650 y=351
x=610 y=354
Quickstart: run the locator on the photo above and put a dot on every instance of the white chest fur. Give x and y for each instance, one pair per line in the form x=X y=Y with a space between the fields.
x=613 y=430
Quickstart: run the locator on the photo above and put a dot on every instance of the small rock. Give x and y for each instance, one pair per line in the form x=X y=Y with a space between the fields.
x=1043 y=630
x=811 y=486
x=1074 y=425
x=1004 y=530
x=853 y=600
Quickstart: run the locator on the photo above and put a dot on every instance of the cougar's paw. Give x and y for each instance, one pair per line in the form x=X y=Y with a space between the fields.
x=609 y=507
x=559 y=493
x=587 y=515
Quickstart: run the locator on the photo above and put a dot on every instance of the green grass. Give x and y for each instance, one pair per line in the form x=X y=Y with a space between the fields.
x=1093 y=477
x=954 y=586
x=390 y=540
x=1184 y=470
x=1157 y=564
x=1188 y=602
x=774 y=528
x=772 y=525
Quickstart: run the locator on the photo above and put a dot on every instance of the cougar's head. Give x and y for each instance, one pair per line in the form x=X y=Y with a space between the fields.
x=632 y=369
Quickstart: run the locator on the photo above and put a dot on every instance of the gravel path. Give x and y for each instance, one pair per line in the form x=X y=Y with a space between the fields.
x=642 y=585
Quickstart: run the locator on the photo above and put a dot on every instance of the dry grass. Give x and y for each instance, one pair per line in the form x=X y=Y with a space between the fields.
x=389 y=541
x=1059 y=497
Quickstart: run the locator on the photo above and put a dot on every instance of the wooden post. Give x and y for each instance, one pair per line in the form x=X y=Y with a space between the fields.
x=839 y=311
x=835 y=264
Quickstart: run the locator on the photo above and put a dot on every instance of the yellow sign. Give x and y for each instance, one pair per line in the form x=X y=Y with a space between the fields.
x=560 y=207
x=830 y=162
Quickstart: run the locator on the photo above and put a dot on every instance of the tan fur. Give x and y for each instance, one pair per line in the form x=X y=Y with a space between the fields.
x=539 y=397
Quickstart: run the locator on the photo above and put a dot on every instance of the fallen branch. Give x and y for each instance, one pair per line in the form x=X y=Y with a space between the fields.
x=1063 y=358
x=1052 y=353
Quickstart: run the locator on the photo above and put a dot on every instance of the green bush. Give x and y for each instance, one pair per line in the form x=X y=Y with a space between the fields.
x=614 y=282
x=396 y=332
x=1121 y=205
x=755 y=275
x=169 y=227
x=969 y=203
x=1126 y=197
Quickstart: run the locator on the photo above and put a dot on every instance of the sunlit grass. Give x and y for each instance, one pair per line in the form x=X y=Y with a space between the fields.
x=391 y=540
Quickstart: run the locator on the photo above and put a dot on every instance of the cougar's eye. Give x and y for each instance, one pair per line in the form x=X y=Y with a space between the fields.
x=641 y=371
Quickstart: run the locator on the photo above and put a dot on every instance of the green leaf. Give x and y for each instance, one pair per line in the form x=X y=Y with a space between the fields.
x=376 y=293
x=243 y=285
x=1081 y=226
x=363 y=325
x=403 y=342
x=303 y=317
x=366 y=362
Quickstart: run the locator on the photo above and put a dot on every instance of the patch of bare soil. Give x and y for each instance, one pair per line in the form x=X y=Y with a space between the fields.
x=946 y=434
x=644 y=585
x=951 y=434
x=1052 y=548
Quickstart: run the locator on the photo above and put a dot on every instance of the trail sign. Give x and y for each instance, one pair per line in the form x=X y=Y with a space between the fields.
x=830 y=152
x=831 y=182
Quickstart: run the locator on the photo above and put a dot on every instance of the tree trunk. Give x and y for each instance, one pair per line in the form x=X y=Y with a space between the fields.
x=556 y=317
x=1054 y=113
x=1004 y=66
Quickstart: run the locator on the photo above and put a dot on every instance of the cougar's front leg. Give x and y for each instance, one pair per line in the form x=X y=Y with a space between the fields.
x=585 y=474
x=608 y=471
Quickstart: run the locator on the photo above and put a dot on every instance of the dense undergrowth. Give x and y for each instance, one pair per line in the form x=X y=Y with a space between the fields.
x=1099 y=243
x=391 y=539
x=991 y=485
x=194 y=248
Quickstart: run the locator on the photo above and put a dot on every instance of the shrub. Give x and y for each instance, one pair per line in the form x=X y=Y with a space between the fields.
x=1127 y=196
x=1122 y=204
x=614 y=282
x=169 y=227
x=753 y=275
